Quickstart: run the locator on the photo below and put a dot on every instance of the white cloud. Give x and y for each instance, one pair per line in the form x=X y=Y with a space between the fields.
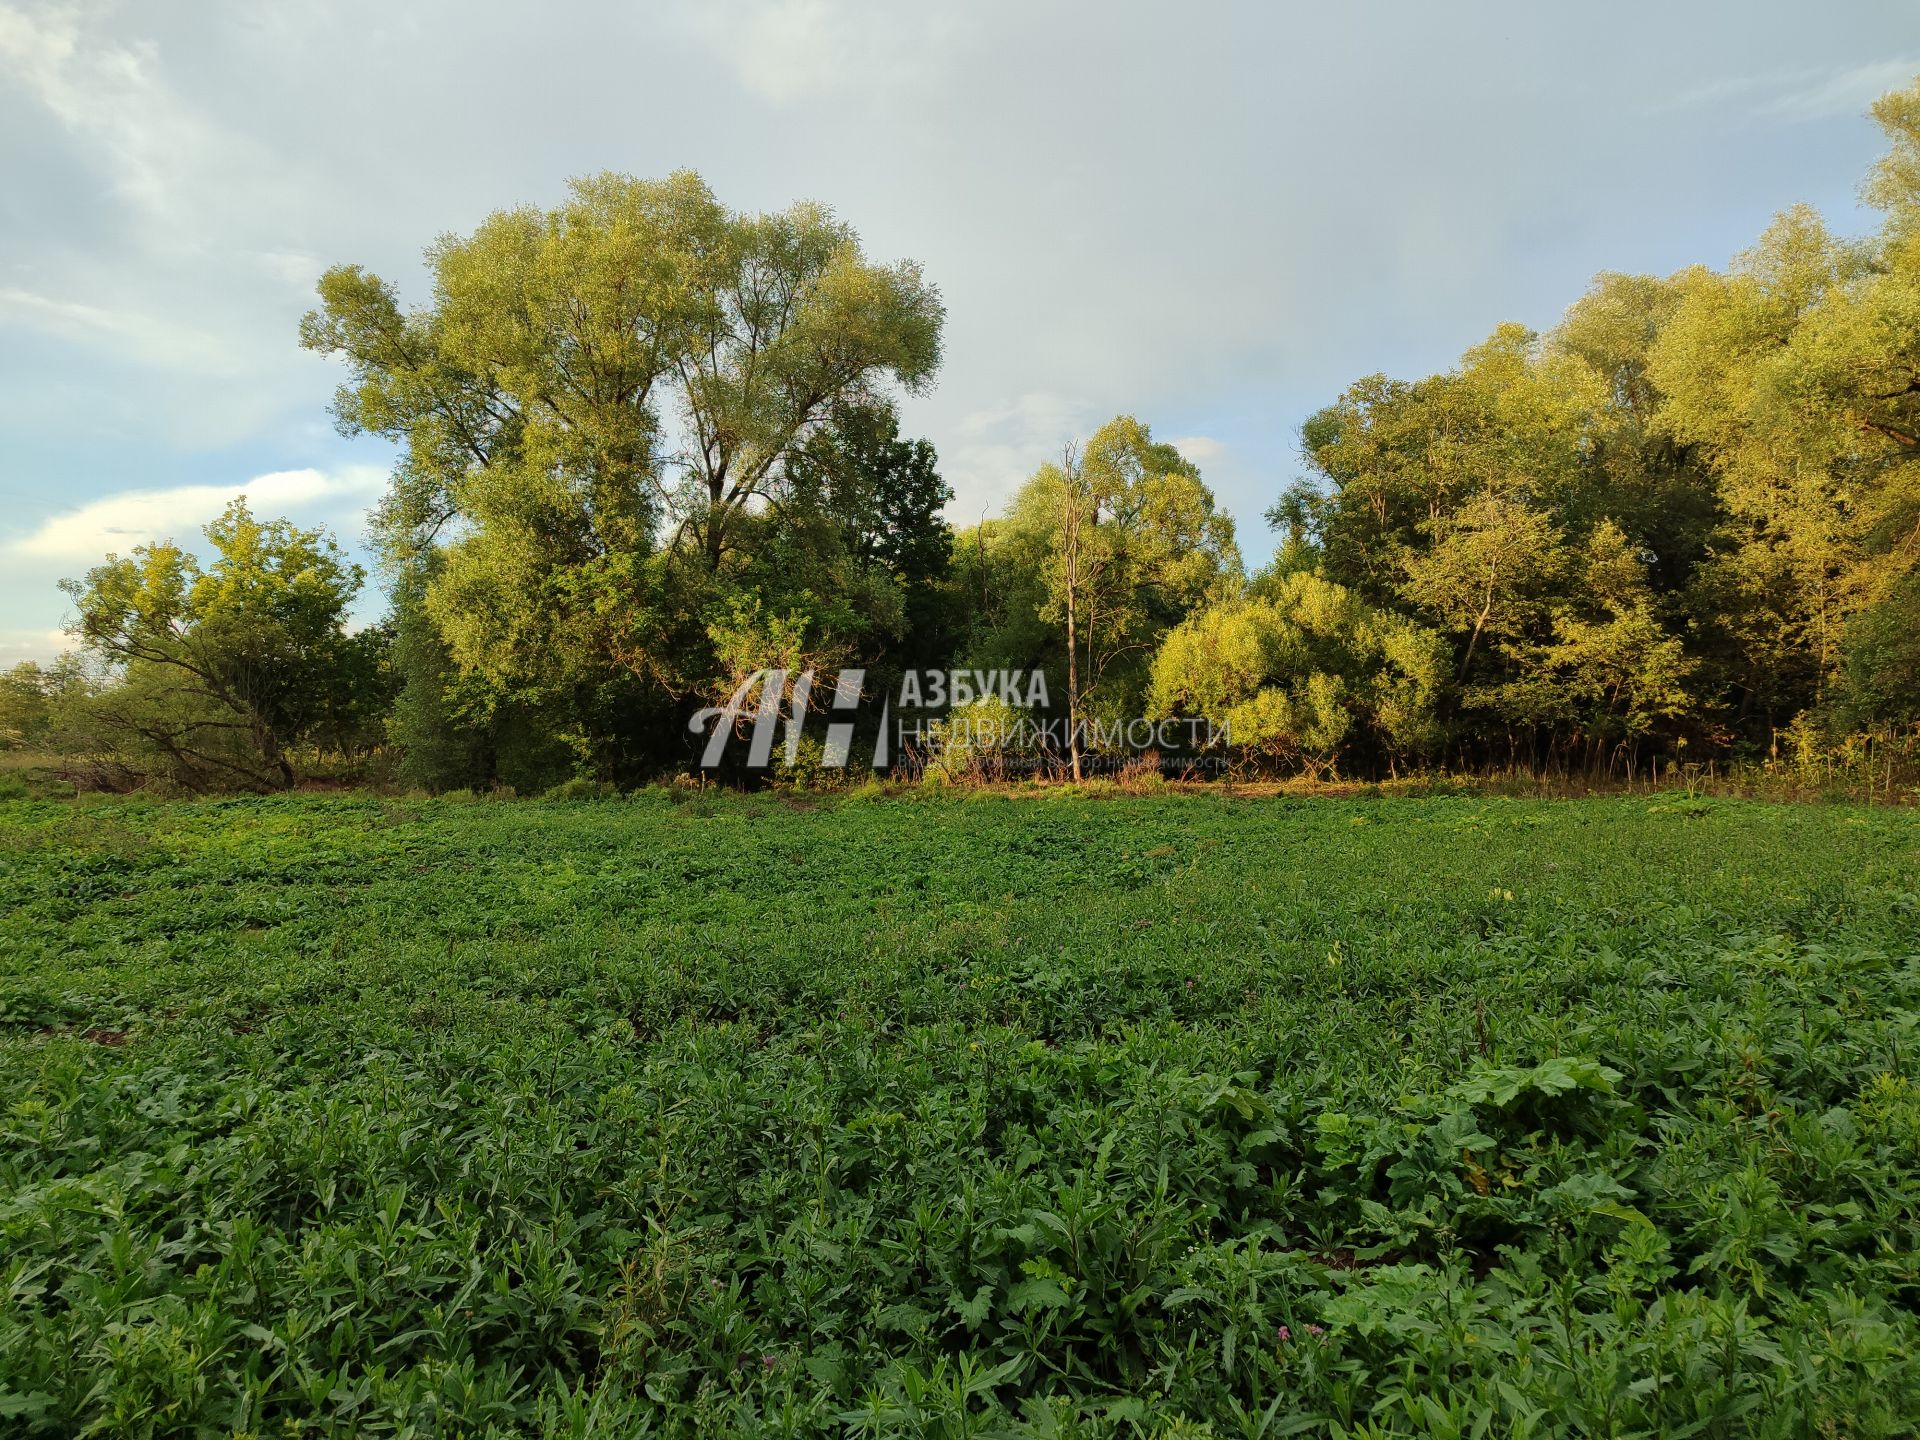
x=1202 y=450
x=985 y=454
x=154 y=224
x=148 y=339
x=1818 y=92
x=294 y=268
x=786 y=50
x=160 y=155
x=114 y=524
x=40 y=645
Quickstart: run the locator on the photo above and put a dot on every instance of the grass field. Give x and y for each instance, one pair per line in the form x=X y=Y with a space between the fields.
x=1061 y=1116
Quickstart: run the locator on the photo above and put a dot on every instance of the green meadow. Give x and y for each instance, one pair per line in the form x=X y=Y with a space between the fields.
x=1067 y=1115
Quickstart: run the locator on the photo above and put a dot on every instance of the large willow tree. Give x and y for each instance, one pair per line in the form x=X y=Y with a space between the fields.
x=600 y=410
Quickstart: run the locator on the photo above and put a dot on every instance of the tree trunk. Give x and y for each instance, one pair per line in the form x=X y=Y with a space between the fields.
x=1073 y=666
x=268 y=745
x=1466 y=661
x=1070 y=519
x=714 y=538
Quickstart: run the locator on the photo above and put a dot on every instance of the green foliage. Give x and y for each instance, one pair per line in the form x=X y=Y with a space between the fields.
x=565 y=557
x=1304 y=670
x=1686 y=513
x=227 y=667
x=1096 y=559
x=685 y=1115
x=1882 y=648
x=441 y=747
x=27 y=697
x=975 y=742
x=879 y=498
x=650 y=444
x=1608 y=669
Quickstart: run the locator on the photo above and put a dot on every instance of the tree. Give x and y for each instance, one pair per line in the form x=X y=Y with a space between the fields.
x=602 y=413
x=1608 y=669
x=26 y=711
x=532 y=391
x=1080 y=564
x=1633 y=471
x=1476 y=500
x=878 y=499
x=884 y=494
x=793 y=323
x=1798 y=372
x=225 y=668
x=1114 y=545
x=1488 y=571
x=1300 y=670
x=1882 y=661
x=1783 y=566
x=1396 y=461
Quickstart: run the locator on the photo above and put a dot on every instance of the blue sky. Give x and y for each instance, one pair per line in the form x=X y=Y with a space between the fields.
x=1211 y=216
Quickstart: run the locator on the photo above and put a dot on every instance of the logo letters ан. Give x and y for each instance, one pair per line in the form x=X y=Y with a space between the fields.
x=721 y=722
x=724 y=719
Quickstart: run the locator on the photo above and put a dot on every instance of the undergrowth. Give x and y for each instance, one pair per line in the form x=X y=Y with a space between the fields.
x=692 y=1114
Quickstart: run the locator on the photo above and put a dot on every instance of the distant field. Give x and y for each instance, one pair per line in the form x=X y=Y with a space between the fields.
x=959 y=1117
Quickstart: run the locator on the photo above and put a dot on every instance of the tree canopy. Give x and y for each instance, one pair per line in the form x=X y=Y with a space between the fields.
x=649 y=445
x=228 y=666
x=626 y=416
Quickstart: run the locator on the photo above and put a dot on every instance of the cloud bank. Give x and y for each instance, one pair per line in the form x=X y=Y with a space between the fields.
x=1212 y=218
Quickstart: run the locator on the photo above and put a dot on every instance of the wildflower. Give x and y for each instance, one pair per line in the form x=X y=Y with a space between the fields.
x=1285 y=1334
x=1313 y=1329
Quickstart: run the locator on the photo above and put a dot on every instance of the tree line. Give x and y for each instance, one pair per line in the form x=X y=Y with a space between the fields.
x=649 y=445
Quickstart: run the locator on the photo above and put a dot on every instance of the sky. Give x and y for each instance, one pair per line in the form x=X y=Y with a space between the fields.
x=1211 y=216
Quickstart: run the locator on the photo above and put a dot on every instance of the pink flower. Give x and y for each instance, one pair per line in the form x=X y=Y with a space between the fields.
x=1315 y=1330
x=1285 y=1334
